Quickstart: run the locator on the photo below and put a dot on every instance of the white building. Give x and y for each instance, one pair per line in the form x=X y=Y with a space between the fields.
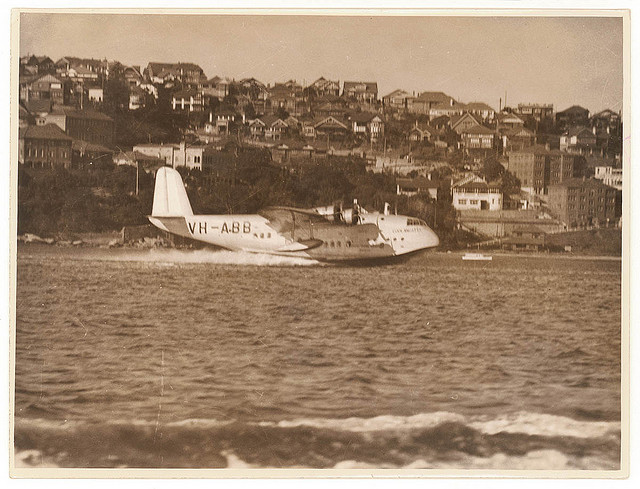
x=610 y=176
x=174 y=155
x=477 y=195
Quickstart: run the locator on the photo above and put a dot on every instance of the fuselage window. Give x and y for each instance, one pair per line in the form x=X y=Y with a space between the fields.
x=348 y=244
x=338 y=244
x=332 y=244
x=261 y=235
x=268 y=235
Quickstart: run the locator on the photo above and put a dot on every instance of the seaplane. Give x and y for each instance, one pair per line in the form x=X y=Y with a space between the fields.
x=327 y=234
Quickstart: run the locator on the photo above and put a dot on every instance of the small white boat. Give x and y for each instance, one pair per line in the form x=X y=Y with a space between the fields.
x=477 y=257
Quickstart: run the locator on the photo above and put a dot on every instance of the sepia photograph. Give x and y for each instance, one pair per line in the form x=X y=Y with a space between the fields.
x=284 y=243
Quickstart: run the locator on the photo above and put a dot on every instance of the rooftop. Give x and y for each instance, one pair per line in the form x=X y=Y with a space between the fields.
x=47 y=131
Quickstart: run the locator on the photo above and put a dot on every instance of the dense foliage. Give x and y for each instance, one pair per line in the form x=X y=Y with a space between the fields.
x=58 y=202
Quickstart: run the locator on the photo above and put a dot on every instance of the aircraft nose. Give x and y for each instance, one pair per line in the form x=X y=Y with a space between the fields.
x=431 y=238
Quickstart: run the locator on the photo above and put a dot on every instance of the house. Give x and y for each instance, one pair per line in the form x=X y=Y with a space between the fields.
x=423 y=132
x=573 y=116
x=366 y=92
x=268 y=127
x=66 y=63
x=525 y=238
x=418 y=185
x=330 y=107
x=477 y=137
x=132 y=75
x=368 y=124
x=45 y=146
x=220 y=123
x=274 y=127
x=478 y=195
x=579 y=140
x=216 y=87
x=609 y=176
x=189 y=100
x=322 y=87
x=398 y=100
x=447 y=109
x=423 y=103
x=481 y=111
x=46 y=87
x=330 y=127
x=41 y=64
x=255 y=89
x=95 y=93
x=538 y=111
x=608 y=121
x=583 y=202
x=516 y=139
x=509 y=120
x=189 y=74
x=81 y=73
x=288 y=97
x=460 y=123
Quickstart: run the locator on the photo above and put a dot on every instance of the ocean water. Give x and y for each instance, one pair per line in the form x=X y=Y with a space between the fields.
x=209 y=359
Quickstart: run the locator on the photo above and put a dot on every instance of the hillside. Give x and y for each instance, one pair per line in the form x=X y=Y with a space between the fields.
x=590 y=242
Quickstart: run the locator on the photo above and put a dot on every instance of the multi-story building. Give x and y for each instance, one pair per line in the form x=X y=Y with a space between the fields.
x=85 y=125
x=537 y=167
x=583 y=202
x=609 y=176
x=89 y=125
x=45 y=146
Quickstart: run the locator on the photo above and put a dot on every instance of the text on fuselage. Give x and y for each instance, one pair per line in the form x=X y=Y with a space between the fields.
x=235 y=227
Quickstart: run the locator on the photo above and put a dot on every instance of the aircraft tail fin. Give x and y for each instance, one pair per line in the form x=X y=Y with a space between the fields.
x=169 y=197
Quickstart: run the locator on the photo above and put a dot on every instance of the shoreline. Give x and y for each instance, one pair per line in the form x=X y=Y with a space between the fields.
x=103 y=242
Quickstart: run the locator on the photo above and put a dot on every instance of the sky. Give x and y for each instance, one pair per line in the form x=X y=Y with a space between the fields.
x=560 y=60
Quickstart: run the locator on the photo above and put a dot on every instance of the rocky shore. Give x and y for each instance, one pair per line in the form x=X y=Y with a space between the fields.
x=98 y=240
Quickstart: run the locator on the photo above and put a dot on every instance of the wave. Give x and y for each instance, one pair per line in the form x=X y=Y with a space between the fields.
x=442 y=440
x=171 y=257
x=521 y=422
